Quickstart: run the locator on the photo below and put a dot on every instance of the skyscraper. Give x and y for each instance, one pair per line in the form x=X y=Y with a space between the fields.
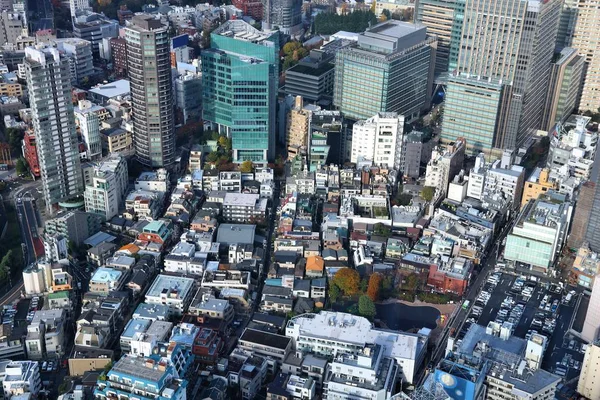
x=390 y=69
x=240 y=79
x=442 y=18
x=563 y=90
x=49 y=87
x=586 y=39
x=149 y=70
x=496 y=93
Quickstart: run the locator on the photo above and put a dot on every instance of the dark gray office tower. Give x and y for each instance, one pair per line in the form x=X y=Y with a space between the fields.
x=149 y=71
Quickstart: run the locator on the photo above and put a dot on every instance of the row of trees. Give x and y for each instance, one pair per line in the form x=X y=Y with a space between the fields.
x=292 y=53
x=347 y=282
x=357 y=21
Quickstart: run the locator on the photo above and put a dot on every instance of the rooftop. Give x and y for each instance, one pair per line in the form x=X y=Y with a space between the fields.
x=170 y=286
x=348 y=328
x=104 y=275
x=113 y=89
x=265 y=338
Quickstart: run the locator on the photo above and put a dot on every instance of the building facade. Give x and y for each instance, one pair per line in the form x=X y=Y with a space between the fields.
x=149 y=71
x=240 y=75
x=389 y=69
x=586 y=39
x=565 y=83
x=105 y=194
x=49 y=87
x=88 y=121
x=496 y=99
x=379 y=139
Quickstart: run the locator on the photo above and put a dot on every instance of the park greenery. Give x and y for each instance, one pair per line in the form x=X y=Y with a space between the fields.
x=292 y=53
x=357 y=21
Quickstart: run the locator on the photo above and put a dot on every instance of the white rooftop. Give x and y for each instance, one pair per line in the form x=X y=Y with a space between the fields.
x=348 y=328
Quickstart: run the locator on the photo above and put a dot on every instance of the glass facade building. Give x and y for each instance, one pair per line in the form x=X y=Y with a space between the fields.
x=388 y=70
x=444 y=19
x=240 y=78
x=509 y=43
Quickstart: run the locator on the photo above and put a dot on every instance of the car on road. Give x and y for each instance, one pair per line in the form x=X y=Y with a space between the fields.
x=44 y=366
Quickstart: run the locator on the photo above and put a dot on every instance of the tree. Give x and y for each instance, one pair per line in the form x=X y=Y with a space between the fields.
x=6 y=265
x=347 y=279
x=15 y=139
x=427 y=193
x=364 y=284
x=366 y=307
x=225 y=143
x=246 y=166
x=334 y=293
x=387 y=13
x=374 y=288
x=21 y=166
x=403 y=199
x=290 y=47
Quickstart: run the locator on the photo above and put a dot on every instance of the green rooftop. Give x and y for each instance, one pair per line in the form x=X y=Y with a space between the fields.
x=59 y=295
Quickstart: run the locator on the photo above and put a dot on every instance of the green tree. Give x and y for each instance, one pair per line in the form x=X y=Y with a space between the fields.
x=15 y=139
x=387 y=13
x=212 y=157
x=334 y=293
x=290 y=47
x=21 y=166
x=348 y=280
x=246 y=166
x=427 y=193
x=364 y=284
x=6 y=265
x=225 y=143
x=366 y=307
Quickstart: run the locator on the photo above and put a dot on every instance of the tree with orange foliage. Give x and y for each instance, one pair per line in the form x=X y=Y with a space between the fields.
x=374 y=286
x=347 y=280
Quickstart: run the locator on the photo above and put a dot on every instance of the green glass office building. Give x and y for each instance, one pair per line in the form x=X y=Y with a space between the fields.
x=390 y=69
x=240 y=78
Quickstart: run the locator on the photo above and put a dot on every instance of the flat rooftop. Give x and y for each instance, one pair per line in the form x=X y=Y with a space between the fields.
x=348 y=328
x=104 y=275
x=113 y=89
x=170 y=287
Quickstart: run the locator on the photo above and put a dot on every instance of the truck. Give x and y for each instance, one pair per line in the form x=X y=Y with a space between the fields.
x=466 y=304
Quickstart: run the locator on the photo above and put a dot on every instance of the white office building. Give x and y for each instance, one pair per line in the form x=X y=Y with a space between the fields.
x=86 y=117
x=333 y=333
x=154 y=181
x=105 y=193
x=500 y=177
x=365 y=375
x=380 y=140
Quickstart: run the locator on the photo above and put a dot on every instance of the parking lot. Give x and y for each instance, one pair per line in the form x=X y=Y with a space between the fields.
x=532 y=306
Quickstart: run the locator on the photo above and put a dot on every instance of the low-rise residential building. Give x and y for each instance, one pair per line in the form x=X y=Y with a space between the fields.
x=208 y=305
x=141 y=376
x=143 y=204
x=46 y=335
x=116 y=140
x=98 y=254
x=270 y=345
x=21 y=378
x=154 y=181
x=105 y=280
x=244 y=207
x=174 y=291
x=226 y=279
